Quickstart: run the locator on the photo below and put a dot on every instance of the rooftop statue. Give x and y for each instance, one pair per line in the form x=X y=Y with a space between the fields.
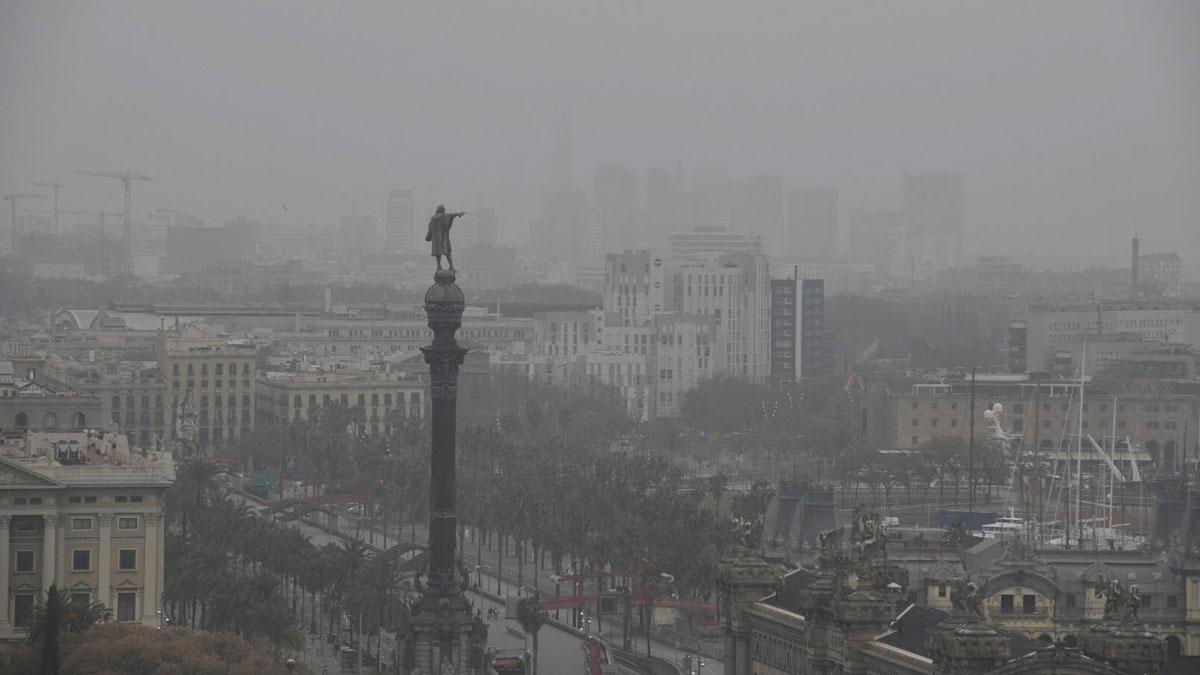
x=1121 y=602
x=438 y=235
x=967 y=598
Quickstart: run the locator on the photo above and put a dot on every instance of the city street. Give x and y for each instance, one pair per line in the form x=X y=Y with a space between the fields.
x=560 y=649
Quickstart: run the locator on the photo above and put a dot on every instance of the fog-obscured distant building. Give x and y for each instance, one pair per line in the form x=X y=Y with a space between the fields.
x=1160 y=275
x=934 y=215
x=812 y=222
x=798 y=343
x=765 y=197
x=357 y=234
x=191 y=249
x=698 y=243
x=399 y=228
x=616 y=204
x=664 y=190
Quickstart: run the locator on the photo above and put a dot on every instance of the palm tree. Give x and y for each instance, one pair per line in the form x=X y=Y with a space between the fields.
x=56 y=614
x=532 y=617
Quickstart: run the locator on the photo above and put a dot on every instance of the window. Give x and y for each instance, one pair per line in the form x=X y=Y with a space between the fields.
x=127 y=559
x=81 y=599
x=1006 y=604
x=1029 y=604
x=942 y=589
x=1172 y=601
x=136 y=499
x=22 y=610
x=35 y=501
x=24 y=523
x=24 y=561
x=89 y=500
x=1147 y=601
x=914 y=421
x=126 y=606
x=127 y=523
x=75 y=500
x=121 y=499
x=81 y=523
x=81 y=560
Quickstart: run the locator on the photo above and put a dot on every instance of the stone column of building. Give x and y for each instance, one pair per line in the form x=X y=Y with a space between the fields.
x=743 y=579
x=49 y=549
x=151 y=592
x=104 y=566
x=4 y=620
x=443 y=627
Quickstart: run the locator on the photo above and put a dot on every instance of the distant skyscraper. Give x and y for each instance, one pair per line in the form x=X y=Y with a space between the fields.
x=398 y=227
x=766 y=210
x=616 y=203
x=877 y=237
x=933 y=210
x=812 y=222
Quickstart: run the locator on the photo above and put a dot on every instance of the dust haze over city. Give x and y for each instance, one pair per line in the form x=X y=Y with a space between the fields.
x=766 y=337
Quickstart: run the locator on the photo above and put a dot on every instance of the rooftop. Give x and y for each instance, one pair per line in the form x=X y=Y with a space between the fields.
x=85 y=458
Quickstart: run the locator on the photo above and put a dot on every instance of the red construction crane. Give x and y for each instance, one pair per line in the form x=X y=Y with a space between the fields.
x=126 y=179
x=12 y=202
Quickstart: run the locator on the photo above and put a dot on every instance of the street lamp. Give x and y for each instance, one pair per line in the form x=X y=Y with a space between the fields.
x=557 y=580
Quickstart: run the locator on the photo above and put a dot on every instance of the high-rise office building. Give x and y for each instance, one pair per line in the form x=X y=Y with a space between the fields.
x=797 y=328
x=765 y=197
x=812 y=223
x=356 y=234
x=399 y=229
x=933 y=211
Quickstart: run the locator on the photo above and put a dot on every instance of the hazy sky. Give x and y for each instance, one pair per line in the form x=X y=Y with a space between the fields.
x=1075 y=123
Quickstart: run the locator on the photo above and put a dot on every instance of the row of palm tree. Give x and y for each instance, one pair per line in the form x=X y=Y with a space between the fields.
x=232 y=570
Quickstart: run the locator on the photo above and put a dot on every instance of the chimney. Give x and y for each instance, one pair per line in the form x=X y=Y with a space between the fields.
x=1133 y=273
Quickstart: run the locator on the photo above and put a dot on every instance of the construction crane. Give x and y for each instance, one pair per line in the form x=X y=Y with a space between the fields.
x=99 y=233
x=56 y=187
x=126 y=179
x=12 y=202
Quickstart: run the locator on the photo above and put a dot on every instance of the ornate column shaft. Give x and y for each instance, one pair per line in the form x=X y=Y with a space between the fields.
x=444 y=305
x=104 y=564
x=151 y=573
x=49 y=549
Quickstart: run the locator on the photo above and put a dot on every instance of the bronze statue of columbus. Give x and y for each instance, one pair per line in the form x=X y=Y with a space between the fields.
x=438 y=235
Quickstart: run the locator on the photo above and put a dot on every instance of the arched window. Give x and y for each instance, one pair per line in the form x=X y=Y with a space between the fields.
x=297 y=401
x=50 y=422
x=78 y=421
x=1174 y=646
x=1152 y=449
x=1046 y=444
x=21 y=421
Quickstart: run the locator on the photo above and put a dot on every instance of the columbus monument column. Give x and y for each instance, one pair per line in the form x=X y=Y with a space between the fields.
x=447 y=636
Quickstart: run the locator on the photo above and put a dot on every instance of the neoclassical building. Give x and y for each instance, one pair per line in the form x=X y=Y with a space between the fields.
x=83 y=511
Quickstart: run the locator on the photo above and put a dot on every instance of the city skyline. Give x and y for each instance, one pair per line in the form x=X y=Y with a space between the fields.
x=1093 y=135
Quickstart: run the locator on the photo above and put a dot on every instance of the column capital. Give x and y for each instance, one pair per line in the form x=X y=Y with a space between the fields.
x=153 y=517
x=105 y=519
